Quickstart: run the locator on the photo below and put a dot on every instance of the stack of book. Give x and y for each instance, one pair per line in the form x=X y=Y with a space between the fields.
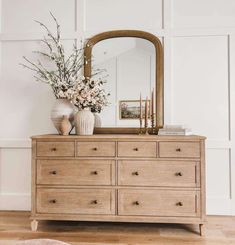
x=174 y=130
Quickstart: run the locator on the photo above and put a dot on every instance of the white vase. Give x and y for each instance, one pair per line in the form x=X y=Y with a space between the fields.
x=84 y=122
x=62 y=107
x=98 y=121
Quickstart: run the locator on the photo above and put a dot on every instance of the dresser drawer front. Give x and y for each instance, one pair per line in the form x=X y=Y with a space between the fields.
x=137 y=149
x=158 y=173
x=76 y=201
x=158 y=202
x=96 y=149
x=179 y=149
x=55 y=149
x=76 y=172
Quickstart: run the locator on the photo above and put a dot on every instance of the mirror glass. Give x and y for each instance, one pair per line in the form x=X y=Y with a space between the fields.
x=130 y=67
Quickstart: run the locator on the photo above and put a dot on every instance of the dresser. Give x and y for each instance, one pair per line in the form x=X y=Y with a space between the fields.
x=118 y=178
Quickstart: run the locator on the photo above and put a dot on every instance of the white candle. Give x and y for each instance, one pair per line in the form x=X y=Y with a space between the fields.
x=152 y=104
x=146 y=112
x=140 y=107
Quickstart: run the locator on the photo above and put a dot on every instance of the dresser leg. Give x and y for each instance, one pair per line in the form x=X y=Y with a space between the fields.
x=34 y=225
x=202 y=229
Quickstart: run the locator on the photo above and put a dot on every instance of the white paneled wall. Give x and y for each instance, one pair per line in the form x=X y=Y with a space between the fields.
x=199 y=58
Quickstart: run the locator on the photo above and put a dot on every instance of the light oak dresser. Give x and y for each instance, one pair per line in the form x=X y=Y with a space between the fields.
x=122 y=178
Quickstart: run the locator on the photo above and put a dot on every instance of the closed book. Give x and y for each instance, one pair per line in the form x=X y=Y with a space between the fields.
x=174 y=133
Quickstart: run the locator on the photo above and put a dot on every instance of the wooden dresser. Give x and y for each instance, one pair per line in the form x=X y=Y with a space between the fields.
x=122 y=178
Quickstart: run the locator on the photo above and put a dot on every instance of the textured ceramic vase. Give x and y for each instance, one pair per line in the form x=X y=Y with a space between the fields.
x=62 y=107
x=84 y=122
x=65 y=126
x=98 y=121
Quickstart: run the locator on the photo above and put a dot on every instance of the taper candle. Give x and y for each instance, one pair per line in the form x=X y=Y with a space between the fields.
x=146 y=112
x=140 y=107
x=152 y=104
x=152 y=111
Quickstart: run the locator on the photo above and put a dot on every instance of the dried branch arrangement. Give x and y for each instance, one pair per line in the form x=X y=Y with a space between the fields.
x=66 y=71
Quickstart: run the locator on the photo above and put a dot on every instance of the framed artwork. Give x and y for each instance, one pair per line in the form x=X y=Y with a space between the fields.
x=130 y=109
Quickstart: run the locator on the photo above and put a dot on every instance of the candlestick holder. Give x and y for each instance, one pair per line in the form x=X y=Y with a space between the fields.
x=146 y=131
x=141 y=126
x=152 y=123
x=146 y=114
x=146 y=127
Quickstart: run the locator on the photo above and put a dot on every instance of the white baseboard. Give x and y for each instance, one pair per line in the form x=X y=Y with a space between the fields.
x=15 y=201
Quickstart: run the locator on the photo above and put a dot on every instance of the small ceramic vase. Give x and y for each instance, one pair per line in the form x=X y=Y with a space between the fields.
x=84 y=122
x=62 y=107
x=65 y=126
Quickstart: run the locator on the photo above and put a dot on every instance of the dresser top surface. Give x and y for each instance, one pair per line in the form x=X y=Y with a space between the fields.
x=119 y=136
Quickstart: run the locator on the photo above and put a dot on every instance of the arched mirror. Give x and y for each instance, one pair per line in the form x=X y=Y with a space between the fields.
x=133 y=64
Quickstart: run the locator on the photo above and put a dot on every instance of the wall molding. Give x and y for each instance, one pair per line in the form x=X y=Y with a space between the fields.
x=218 y=206
x=15 y=201
x=37 y=36
x=15 y=143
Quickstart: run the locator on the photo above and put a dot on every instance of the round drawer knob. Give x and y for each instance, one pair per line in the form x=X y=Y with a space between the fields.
x=94 y=202
x=94 y=172
x=179 y=204
x=53 y=201
x=135 y=173
x=136 y=203
x=178 y=174
x=95 y=149
x=178 y=149
x=136 y=149
x=53 y=149
x=53 y=172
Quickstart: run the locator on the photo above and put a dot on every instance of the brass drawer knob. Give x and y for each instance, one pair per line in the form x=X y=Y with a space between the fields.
x=136 y=203
x=94 y=202
x=53 y=172
x=53 y=149
x=135 y=173
x=136 y=149
x=94 y=172
x=53 y=201
x=178 y=149
x=178 y=174
x=95 y=149
x=179 y=204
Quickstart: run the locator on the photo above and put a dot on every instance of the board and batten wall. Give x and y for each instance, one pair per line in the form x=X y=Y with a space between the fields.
x=199 y=59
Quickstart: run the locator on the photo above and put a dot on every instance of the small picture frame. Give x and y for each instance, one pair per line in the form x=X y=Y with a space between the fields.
x=130 y=109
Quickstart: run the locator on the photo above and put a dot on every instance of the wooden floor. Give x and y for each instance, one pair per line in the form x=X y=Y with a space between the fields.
x=16 y=226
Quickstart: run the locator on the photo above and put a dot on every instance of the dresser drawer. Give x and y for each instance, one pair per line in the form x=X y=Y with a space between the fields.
x=76 y=172
x=137 y=149
x=158 y=173
x=158 y=202
x=179 y=149
x=96 y=149
x=76 y=201
x=55 y=149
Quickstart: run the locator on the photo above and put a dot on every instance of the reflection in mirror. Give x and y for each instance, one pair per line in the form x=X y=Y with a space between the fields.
x=130 y=68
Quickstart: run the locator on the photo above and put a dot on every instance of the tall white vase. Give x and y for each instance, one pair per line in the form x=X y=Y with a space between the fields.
x=62 y=107
x=84 y=122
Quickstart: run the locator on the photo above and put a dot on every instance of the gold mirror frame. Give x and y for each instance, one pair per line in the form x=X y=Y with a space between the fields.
x=159 y=117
